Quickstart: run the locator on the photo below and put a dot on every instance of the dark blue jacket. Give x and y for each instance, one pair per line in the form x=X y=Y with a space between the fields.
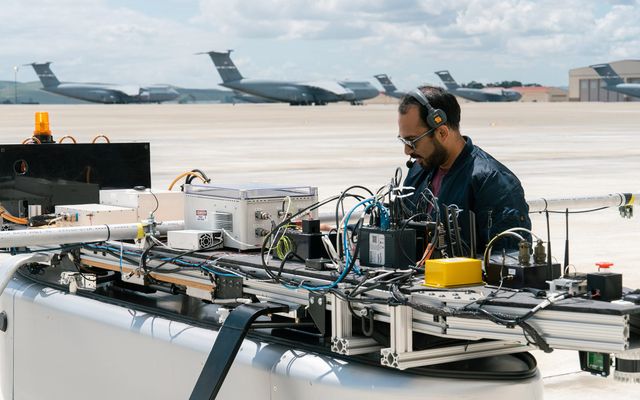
x=478 y=182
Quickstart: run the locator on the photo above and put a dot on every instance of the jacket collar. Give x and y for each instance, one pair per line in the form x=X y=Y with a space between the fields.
x=464 y=154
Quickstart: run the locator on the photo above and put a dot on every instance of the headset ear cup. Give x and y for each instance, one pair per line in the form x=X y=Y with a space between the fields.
x=437 y=118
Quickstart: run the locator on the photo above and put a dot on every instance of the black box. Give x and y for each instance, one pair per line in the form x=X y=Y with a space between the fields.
x=308 y=243
x=55 y=174
x=310 y=226
x=228 y=287
x=392 y=248
x=109 y=165
x=605 y=286
x=534 y=275
x=595 y=363
x=18 y=194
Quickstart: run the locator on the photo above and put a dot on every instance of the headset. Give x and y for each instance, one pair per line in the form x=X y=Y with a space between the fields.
x=435 y=116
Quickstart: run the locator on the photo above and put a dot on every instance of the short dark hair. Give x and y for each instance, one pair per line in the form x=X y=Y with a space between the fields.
x=438 y=98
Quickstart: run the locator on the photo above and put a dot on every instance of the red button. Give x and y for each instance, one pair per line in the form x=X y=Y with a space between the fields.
x=604 y=264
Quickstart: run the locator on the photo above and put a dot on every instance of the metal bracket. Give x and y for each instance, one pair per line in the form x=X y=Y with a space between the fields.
x=226 y=346
x=229 y=287
x=318 y=311
x=76 y=280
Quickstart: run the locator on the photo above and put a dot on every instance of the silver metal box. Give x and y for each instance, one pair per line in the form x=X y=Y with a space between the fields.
x=244 y=212
x=169 y=205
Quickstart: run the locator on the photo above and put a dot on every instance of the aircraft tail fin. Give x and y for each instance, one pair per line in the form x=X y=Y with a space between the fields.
x=448 y=80
x=47 y=77
x=607 y=73
x=386 y=83
x=226 y=68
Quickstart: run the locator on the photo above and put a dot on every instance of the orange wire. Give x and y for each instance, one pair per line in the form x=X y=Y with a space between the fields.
x=68 y=137
x=188 y=173
x=33 y=139
x=16 y=220
x=100 y=136
x=427 y=254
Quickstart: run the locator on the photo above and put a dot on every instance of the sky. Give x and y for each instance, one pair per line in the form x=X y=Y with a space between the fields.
x=147 y=42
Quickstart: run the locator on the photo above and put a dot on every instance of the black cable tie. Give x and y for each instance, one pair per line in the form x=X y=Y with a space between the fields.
x=108 y=232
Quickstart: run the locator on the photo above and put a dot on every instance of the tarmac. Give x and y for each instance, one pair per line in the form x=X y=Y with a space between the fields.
x=556 y=149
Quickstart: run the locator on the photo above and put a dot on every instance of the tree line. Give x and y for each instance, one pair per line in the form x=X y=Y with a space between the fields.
x=503 y=84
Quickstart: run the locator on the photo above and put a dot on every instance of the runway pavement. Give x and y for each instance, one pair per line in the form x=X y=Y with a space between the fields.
x=556 y=149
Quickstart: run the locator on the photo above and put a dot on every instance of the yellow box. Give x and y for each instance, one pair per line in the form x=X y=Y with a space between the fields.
x=453 y=272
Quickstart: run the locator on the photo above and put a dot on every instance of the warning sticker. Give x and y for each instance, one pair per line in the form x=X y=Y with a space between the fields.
x=376 y=249
x=201 y=215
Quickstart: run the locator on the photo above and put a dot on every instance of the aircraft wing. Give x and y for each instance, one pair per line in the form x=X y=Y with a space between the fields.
x=494 y=90
x=129 y=90
x=328 y=86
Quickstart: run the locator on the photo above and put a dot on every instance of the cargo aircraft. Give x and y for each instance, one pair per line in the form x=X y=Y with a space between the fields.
x=103 y=92
x=614 y=82
x=487 y=94
x=294 y=93
x=389 y=88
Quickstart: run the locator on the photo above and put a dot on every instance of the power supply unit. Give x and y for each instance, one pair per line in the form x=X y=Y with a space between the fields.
x=194 y=240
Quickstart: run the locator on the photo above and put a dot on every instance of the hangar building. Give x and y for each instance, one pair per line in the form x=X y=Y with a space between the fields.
x=586 y=85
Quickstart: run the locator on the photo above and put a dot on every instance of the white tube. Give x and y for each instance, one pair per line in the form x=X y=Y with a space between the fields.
x=81 y=234
x=9 y=266
x=582 y=203
x=557 y=204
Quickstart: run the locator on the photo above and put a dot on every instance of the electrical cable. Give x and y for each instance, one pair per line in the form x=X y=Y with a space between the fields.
x=188 y=173
x=100 y=136
x=67 y=137
x=199 y=171
x=284 y=223
x=32 y=139
x=574 y=212
x=16 y=220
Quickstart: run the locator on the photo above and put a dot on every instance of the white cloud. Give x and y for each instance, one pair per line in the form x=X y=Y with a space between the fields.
x=90 y=41
x=515 y=39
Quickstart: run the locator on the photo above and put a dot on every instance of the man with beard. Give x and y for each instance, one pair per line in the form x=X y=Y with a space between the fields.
x=455 y=170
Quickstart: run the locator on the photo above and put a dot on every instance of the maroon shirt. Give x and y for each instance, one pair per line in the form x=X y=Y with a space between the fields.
x=436 y=182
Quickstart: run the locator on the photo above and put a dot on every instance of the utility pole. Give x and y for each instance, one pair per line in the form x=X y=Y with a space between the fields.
x=15 y=84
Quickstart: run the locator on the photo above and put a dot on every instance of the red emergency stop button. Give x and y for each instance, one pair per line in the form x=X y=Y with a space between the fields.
x=604 y=264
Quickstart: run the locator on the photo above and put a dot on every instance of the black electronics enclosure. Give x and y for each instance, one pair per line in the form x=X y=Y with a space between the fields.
x=595 y=363
x=53 y=174
x=308 y=244
x=392 y=248
x=516 y=276
x=17 y=194
x=605 y=286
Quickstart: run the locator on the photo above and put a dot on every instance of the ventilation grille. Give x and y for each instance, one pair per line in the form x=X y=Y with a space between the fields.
x=205 y=241
x=223 y=220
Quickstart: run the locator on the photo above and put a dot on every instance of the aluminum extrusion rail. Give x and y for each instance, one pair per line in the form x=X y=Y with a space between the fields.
x=561 y=329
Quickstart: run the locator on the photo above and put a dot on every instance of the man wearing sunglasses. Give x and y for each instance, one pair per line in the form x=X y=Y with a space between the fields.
x=455 y=170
